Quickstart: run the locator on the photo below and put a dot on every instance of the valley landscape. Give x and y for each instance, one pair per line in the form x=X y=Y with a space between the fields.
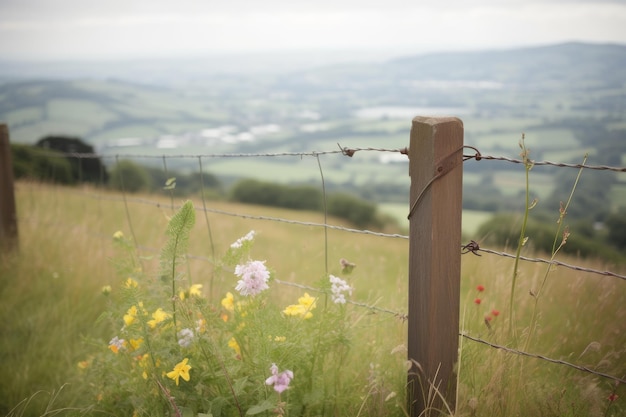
x=568 y=99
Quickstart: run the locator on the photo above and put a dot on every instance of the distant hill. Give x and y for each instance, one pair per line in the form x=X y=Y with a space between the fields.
x=545 y=64
x=573 y=64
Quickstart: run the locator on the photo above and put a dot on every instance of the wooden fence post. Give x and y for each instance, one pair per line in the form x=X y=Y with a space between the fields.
x=436 y=170
x=8 y=214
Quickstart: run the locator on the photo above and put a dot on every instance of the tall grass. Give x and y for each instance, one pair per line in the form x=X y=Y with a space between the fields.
x=50 y=300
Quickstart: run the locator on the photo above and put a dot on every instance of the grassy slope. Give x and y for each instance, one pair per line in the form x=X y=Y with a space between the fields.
x=50 y=298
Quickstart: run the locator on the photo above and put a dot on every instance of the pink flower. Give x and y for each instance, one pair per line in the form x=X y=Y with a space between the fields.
x=480 y=288
x=613 y=397
x=254 y=276
x=279 y=380
x=495 y=313
x=477 y=301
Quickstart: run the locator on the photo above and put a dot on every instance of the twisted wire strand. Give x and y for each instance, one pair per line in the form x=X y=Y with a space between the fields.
x=544 y=358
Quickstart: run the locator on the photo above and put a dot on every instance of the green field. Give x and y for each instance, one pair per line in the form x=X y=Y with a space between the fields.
x=51 y=300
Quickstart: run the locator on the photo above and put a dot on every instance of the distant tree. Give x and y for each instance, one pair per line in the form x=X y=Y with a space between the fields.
x=616 y=225
x=256 y=192
x=298 y=197
x=503 y=230
x=360 y=212
x=89 y=169
x=131 y=177
x=40 y=164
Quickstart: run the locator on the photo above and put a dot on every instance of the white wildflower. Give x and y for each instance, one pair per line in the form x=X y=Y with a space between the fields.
x=339 y=288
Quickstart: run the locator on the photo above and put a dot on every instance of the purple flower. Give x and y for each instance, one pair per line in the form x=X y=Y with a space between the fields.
x=254 y=276
x=279 y=380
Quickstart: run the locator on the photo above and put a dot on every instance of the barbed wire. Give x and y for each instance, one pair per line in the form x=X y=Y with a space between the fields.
x=342 y=150
x=544 y=358
x=248 y=216
x=478 y=157
x=557 y=263
x=473 y=247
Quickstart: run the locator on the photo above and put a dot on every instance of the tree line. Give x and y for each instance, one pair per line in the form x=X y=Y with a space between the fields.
x=51 y=159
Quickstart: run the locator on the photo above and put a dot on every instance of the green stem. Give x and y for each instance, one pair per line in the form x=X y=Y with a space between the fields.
x=555 y=251
x=522 y=239
x=174 y=296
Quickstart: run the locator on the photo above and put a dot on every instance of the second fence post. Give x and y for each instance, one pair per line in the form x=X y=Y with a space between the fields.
x=8 y=214
x=436 y=170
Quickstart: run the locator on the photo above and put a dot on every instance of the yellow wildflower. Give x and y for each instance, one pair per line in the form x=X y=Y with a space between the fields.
x=144 y=364
x=228 y=302
x=130 y=283
x=130 y=316
x=136 y=343
x=157 y=317
x=232 y=343
x=181 y=370
x=307 y=301
x=297 y=310
x=194 y=290
x=118 y=235
x=106 y=290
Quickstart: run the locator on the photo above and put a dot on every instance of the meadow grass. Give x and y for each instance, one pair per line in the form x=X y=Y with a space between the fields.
x=51 y=300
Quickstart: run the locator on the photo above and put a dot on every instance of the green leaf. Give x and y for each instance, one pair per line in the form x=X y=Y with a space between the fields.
x=177 y=232
x=239 y=385
x=170 y=184
x=260 y=408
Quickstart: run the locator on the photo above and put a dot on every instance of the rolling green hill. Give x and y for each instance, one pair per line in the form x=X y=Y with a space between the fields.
x=568 y=99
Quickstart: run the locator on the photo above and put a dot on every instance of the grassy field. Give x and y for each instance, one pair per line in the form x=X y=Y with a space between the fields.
x=50 y=300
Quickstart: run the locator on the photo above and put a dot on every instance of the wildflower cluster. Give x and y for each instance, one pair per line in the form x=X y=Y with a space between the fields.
x=339 y=288
x=173 y=348
x=492 y=314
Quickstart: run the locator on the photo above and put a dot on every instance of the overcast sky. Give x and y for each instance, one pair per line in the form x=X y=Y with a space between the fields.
x=95 y=29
